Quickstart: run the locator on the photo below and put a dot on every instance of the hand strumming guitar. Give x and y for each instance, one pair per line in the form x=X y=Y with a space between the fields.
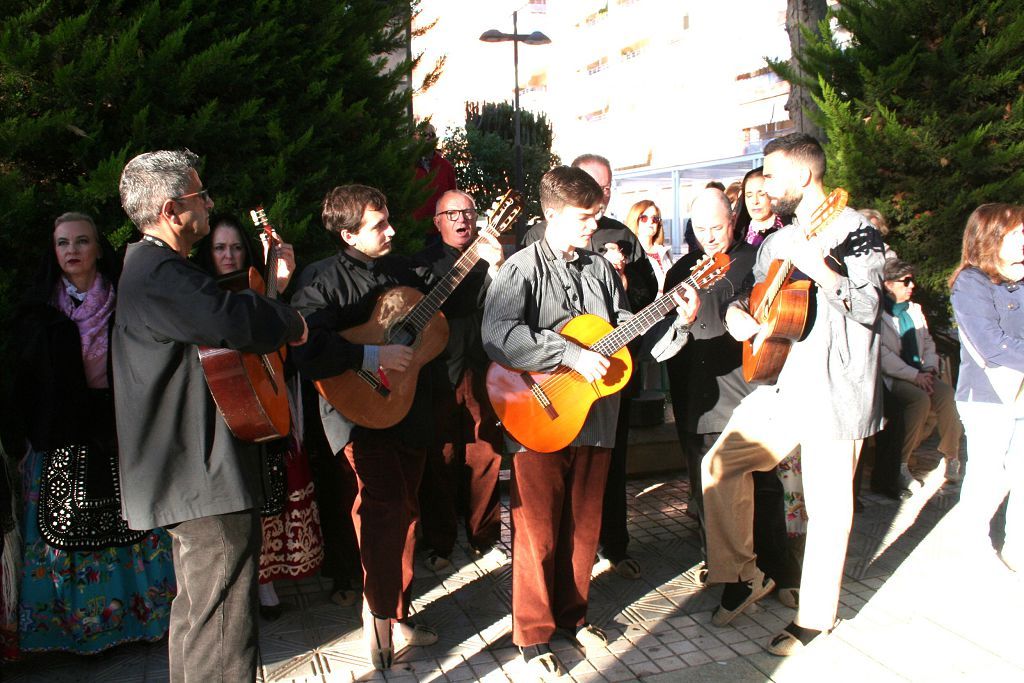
x=592 y=365
x=395 y=357
x=741 y=325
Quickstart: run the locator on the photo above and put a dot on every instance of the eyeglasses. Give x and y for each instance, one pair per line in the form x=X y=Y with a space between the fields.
x=203 y=194
x=453 y=214
x=644 y=218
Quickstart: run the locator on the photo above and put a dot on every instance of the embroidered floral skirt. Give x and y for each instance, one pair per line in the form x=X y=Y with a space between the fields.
x=88 y=601
x=293 y=546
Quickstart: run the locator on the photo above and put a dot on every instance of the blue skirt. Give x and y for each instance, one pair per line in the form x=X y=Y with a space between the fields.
x=88 y=601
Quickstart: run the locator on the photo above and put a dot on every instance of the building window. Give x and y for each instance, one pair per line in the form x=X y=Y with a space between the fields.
x=597 y=67
x=635 y=50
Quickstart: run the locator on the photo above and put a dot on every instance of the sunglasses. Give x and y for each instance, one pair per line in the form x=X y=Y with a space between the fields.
x=644 y=218
x=906 y=281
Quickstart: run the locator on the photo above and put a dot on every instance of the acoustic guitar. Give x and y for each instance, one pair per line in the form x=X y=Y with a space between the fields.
x=249 y=388
x=544 y=411
x=781 y=305
x=403 y=315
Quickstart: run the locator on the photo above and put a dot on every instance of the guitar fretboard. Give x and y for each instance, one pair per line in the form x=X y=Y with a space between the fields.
x=424 y=310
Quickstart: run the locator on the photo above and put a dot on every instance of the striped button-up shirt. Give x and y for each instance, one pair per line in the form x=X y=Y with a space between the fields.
x=536 y=293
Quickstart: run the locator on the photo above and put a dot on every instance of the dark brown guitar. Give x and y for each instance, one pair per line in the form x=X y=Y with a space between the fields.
x=544 y=411
x=780 y=305
x=402 y=315
x=249 y=388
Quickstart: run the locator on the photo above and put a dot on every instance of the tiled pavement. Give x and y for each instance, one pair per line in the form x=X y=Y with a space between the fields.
x=911 y=611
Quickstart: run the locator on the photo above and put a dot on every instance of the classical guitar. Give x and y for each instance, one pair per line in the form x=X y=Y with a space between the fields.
x=544 y=411
x=780 y=304
x=249 y=388
x=402 y=315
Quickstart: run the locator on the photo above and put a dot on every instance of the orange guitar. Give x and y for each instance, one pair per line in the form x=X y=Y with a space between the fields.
x=545 y=411
x=780 y=305
x=402 y=315
x=249 y=388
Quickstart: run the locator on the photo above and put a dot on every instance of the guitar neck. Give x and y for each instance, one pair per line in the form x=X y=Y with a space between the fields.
x=781 y=275
x=430 y=304
x=641 y=322
x=270 y=272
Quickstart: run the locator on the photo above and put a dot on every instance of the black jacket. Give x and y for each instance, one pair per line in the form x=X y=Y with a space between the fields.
x=178 y=459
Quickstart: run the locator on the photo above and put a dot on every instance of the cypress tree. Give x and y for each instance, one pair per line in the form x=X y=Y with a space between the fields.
x=282 y=99
x=482 y=153
x=923 y=104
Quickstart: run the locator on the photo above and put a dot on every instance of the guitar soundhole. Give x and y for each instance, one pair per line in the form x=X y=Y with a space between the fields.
x=403 y=333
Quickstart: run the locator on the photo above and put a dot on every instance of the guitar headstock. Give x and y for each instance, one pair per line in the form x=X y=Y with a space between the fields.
x=259 y=217
x=710 y=270
x=827 y=211
x=504 y=212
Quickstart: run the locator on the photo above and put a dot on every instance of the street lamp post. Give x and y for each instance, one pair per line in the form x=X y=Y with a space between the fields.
x=535 y=38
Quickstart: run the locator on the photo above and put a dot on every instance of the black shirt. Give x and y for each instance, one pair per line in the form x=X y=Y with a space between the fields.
x=335 y=294
x=706 y=376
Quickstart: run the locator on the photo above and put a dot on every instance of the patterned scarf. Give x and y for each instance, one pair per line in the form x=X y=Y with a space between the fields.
x=92 y=316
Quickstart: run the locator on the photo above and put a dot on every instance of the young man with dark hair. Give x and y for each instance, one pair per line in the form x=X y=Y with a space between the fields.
x=335 y=294
x=617 y=243
x=827 y=399
x=556 y=497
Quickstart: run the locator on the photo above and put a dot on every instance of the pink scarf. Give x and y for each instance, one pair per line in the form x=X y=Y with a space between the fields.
x=92 y=316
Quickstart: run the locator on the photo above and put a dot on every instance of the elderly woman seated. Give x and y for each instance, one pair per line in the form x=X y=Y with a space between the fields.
x=910 y=369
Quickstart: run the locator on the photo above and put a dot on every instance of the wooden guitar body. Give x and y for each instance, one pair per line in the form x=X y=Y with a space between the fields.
x=780 y=304
x=765 y=354
x=545 y=411
x=377 y=402
x=248 y=388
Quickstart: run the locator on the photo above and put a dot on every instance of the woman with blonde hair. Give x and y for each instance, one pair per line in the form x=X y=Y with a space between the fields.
x=644 y=219
x=988 y=302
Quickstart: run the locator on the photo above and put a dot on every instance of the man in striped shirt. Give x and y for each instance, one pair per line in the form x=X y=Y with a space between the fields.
x=556 y=497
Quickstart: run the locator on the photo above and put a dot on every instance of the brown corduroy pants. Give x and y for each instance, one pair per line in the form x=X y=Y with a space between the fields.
x=556 y=519
x=384 y=515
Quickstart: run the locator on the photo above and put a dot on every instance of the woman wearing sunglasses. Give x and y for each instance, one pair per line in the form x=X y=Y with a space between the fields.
x=910 y=369
x=644 y=219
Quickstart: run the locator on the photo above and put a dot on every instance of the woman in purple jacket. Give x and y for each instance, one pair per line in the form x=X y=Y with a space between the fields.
x=988 y=301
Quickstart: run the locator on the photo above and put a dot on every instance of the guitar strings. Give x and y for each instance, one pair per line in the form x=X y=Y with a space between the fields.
x=563 y=378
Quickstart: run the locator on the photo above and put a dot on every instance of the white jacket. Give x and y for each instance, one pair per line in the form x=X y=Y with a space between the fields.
x=893 y=366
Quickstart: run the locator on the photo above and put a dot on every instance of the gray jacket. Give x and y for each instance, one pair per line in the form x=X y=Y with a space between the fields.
x=830 y=383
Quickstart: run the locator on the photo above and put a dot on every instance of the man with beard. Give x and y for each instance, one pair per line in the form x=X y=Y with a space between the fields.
x=826 y=401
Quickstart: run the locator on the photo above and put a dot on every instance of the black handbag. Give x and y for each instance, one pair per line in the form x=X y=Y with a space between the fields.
x=80 y=500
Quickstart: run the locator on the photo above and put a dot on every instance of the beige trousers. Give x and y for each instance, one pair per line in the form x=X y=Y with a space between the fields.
x=923 y=412
x=757 y=438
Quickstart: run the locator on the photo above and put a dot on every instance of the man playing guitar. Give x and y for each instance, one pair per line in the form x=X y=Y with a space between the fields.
x=336 y=294
x=826 y=401
x=556 y=497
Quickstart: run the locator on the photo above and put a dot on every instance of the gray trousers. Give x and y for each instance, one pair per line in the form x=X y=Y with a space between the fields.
x=213 y=633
